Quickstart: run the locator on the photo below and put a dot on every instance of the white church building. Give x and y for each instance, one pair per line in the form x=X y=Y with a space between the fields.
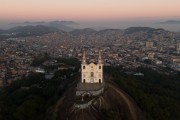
x=91 y=73
x=91 y=77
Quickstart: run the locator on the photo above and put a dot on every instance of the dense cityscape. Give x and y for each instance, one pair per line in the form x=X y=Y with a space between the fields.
x=131 y=48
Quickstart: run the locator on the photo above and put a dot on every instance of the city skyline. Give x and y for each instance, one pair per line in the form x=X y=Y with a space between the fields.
x=89 y=10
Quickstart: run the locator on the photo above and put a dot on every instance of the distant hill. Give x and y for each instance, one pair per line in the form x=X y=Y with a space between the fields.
x=2 y=31
x=139 y=29
x=61 y=25
x=86 y=31
x=68 y=22
x=170 y=22
x=38 y=30
x=92 y=31
x=110 y=31
x=35 y=23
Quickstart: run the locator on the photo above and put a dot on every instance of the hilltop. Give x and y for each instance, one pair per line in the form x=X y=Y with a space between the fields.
x=23 y=31
x=112 y=104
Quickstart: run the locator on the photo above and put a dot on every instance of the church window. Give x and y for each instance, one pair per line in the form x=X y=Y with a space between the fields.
x=84 y=80
x=83 y=67
x=99 y=67
x=92 y=74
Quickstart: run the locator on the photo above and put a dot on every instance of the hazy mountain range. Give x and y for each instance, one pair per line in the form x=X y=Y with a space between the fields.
x=61 y=25
x=22 y=29
x=171 y=25
x=38 y=30
x=170 y=22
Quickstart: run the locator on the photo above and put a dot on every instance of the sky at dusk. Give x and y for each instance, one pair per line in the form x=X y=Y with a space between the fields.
x=88 y=9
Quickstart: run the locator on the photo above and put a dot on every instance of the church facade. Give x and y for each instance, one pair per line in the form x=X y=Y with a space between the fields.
x=91 y=73
x=91 y=81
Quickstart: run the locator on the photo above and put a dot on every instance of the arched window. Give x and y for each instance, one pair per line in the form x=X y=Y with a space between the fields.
x=84 y=80
x=99 y=67
x=83 y=67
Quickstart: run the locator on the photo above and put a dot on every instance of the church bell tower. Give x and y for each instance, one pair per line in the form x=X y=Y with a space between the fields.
x=84 y=58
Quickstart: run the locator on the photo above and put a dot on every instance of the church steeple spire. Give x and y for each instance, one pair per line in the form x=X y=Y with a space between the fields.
x=84 y=58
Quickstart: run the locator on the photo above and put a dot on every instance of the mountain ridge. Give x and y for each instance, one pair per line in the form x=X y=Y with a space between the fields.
x=170 y=22
x=61 y=25
x=23 y=31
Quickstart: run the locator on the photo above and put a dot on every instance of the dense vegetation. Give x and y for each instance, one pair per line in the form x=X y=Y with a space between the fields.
x=40 y=59
x=155 y=93
x=73 y=62
x=31 y=98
